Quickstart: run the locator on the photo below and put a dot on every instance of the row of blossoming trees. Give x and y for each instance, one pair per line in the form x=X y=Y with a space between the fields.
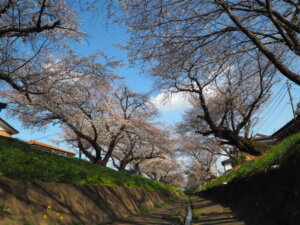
x=45 y=82
x=224 y=54
x=98 y=115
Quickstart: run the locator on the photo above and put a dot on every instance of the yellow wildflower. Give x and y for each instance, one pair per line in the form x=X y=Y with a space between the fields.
x=49 y=207
x=61 y=218
x=45 y=217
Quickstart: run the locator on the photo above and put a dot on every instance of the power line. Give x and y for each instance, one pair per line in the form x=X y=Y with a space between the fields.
x=278 y=103
x=274 y=105
x=279 y=114
x=276 y=97
x=50 y=135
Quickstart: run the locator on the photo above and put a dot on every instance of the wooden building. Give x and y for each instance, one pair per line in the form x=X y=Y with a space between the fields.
x=228 y=165
x=292 y=127
x=264 y=139
x=6 y=130
x=50 y=148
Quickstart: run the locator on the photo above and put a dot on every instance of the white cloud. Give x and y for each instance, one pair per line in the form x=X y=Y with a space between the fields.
x=168 y=102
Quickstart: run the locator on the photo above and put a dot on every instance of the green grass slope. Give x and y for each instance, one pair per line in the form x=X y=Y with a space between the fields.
x=18 y=160
x=275 y=156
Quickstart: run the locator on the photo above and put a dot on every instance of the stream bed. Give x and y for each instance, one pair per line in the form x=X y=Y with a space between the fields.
x=189 y=215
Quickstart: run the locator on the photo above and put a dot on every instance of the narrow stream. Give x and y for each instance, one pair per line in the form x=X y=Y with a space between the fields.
x=189 y=216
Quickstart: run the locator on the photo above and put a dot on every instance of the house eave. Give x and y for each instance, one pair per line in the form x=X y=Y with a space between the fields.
x=8 y=127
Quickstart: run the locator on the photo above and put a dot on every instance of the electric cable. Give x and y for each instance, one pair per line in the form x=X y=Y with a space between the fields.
x=277 y=96
x=276 y=104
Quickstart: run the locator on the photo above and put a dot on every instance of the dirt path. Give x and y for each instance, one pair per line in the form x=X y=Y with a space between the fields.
x=170 y=214
x=206 y=212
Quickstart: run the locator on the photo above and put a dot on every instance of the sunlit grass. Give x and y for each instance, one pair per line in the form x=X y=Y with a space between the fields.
x=20 y=161
x=275 y=156
x=196 y=214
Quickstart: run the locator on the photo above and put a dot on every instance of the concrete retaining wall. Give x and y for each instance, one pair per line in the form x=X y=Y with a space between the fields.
x=273 y=194
x=28 y=201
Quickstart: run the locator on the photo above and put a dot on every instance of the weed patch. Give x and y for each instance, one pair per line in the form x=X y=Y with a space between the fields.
x=177 y=213
x=76 y=223
x=4 y=211
x=196 y=214
x=27 y=223
x=159 y=204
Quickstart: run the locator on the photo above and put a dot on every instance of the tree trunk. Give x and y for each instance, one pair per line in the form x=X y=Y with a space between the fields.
x=246 y=146
x=122 y=166
x=91 y=157
x=243 y=144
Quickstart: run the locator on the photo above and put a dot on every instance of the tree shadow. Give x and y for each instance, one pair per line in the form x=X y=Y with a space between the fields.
x=83 y=203
x=237 y=214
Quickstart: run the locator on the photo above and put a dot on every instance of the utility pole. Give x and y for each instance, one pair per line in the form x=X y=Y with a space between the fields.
x=291 y=98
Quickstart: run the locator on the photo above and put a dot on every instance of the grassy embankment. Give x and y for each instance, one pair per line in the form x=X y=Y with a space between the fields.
x=20 y=161
x=275 y=156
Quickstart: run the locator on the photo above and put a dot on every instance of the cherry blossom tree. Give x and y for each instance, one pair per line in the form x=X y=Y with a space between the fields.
x=129 y=118
x=202 y=150
x=197 y=48
x=161 y=28
x=97 y=115
x=111 y=125
x=201 y=153
x=205 y=150
x=141 y=142
x=165 y=169
x=225 y=96
x=30 y=31
x=196 y=175
x=77 y=94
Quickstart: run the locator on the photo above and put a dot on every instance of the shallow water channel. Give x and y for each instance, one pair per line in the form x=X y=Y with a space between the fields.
x=189 y=215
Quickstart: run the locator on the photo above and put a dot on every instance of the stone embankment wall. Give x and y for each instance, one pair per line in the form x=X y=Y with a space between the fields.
x=274 y=194
x=26 y=202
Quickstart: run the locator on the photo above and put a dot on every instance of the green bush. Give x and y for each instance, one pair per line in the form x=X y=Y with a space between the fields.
x=20 y=161
x=275 y=156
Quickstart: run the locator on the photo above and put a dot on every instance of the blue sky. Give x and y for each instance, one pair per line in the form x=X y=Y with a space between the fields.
x=279 y=111
x=104 y=38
